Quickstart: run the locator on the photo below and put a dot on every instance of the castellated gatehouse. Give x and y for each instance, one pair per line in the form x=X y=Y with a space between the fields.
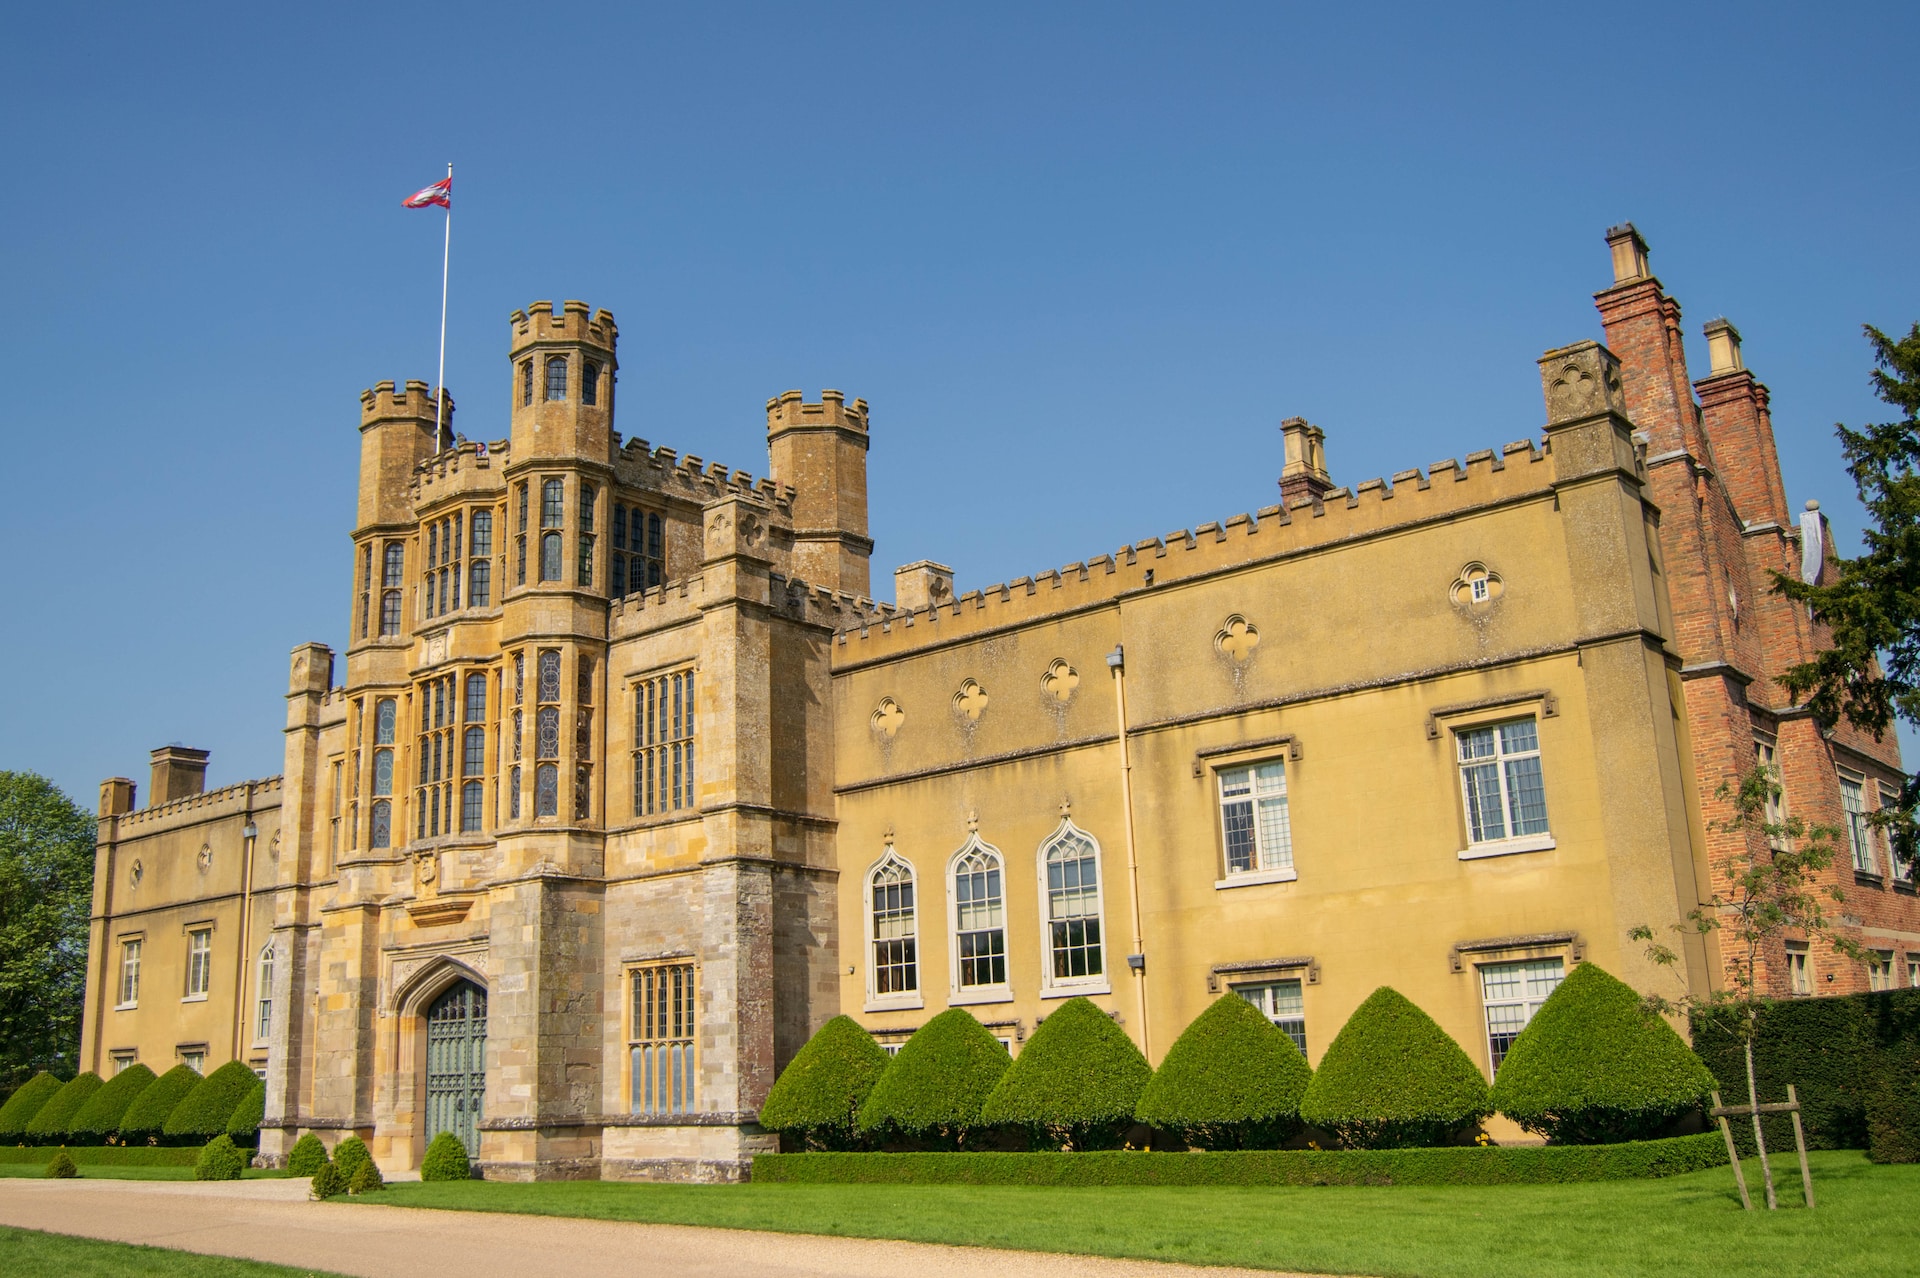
x=625 y=783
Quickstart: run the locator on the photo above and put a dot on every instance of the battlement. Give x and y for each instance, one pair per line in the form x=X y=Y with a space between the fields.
x=790 y=411
x=1446 y=489
x=696 y=479
x=450 y=464
x=200 y=807
x=415 y=403
x=538 y=325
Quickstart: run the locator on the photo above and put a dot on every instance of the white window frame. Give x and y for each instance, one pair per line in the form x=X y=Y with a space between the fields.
x=1508 y=844
x=1259 y=993
x=203 y=969
x=1859 y=833
x=1913 y=970
x=959 y=995
x=263 y=994
x=1766 y=755
x=902 y=999
x=1901 y=871
x=130 y=949
x=1052 y=986
x=1281 y=869
x=194 y=1058
x=124 y=1058
x=1799 y=970
x=1529 y=999
x=1880 y=970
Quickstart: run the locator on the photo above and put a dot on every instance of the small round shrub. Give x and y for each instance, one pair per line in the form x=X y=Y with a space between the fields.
x=328 y=1182
x=1075 y=1083
x=307 y=1156
x=147 y=1115
x=1233 y=1080
x=244 y=1123
x=1393 y=1079
x=220 y=1159
x=365 y=1179
x=348 y=1155
x=446 y=1159
x=815 y=1103
x=1595 y=1066
x=54 y=1120
x=24 y=1104
x=100 y=1117
x=931 y=1092
x=60 y=1167
x=204 y=1111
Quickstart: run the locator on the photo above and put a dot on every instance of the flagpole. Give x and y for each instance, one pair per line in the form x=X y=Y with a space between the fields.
x=446 y=256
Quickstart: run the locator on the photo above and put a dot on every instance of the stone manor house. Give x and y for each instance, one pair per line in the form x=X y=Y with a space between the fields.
x=624 y=783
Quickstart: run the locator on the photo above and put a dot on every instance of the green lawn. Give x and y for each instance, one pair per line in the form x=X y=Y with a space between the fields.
x=1684 y=1226
x=107 y=1171
x=26 y=1251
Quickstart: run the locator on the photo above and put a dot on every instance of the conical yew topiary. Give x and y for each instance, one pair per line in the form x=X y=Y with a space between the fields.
x=100 y=1117
x=815 y=1103
x=1233 y=1080
x=147 y=1115
x=1595 y=1065
x=366 y=1178
x=60 y=1166
x=204 y=1111
x=1075 y=1082
x=220 y=1159
x=24 y=1104
x=932 y=1091
x=328 y=1182
x=53 y=1122
x=1393 y=1079
x=348 y=1155
x=244 y=1123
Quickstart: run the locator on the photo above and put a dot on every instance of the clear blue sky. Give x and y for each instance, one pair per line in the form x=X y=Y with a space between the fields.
x=1081 y=260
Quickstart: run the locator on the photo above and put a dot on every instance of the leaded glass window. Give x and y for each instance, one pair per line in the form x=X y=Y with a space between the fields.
x=553 y=504
x=546 y=790
x=550 y=556
x=471 y=796
x=1070 y=861
x=1500 y=778
x=549 y=675
x=660 y=1037
x=980 y=922
x=663 y=736
x=1283 y=1004
x=589 y=382
x=263 y=996
x=513 y=791
x=1255 y=824
x=557 y=377
x=896 y=967
x=129 y=973
x=1513 y=992
x=199 y=961
x=382 y=818
x=526 y=382
x=1853 y=803
x=476 y=698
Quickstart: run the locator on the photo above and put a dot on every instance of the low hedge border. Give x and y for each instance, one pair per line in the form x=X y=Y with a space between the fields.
x=1469 y=1165
x=104 y=1155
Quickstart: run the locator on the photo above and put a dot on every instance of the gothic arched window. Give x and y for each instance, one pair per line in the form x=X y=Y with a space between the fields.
x=979 y=918
x=1070 y=884
x=557 y=377
x=893 y=929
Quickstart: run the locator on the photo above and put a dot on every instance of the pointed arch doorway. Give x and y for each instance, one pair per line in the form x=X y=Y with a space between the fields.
x=457 y=1063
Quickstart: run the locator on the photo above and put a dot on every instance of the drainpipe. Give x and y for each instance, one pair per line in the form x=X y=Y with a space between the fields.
x=248 y=833
x=1137 y=959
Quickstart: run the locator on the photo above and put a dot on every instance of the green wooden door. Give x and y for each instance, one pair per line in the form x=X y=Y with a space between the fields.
x=457 y=1064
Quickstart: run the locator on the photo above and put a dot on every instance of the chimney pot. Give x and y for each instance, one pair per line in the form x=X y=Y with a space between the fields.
x=1303 y=470
x=178 y=772
x=1629 y=253
x=1723 y=348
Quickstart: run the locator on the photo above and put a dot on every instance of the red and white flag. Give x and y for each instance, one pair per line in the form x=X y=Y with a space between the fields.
x=440 y=193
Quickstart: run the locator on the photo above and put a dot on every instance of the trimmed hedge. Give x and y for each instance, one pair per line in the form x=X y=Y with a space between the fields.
x=815 y=1103
x=102 y=1155
x=50 y=1125
x=328 y=1182
x=25 y=1103
x=244 y=1123
x=220 y=1159
x=446 y=1159
x=1595 y=1066
x=307 y=1155
x=147 y=1115
x=365 y=1179
x=60 y=1167
x=1893 y=1122
x=1837 y=1051
x=204 y=1111
x=348 y=1155
x=1075 y=1082
x=100 y=1117
x=1233 y=1080
x=1393 y=1079
x=934 y=1088
x=1458 y=1165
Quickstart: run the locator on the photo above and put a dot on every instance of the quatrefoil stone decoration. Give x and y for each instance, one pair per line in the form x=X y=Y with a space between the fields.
x=887 y=717
x=1060 y=680
x=1238 y=638
x=970 y=701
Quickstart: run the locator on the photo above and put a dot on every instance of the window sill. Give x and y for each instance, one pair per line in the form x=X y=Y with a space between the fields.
x=1867 y=878
x=913 y=1004
x=982 y=994
x=126 y=1007
x=1509 y=847
x=1075 y=991
x=1903 y=885
x=193 y=998
x=1254 y=878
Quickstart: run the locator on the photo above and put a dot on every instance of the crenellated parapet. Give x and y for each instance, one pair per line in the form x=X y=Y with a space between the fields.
x=1444 y=490
x=468 y=467
x=575 y=323
x=662 y=470
x=194 y=808
x=789 y=410
x=412 y=402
